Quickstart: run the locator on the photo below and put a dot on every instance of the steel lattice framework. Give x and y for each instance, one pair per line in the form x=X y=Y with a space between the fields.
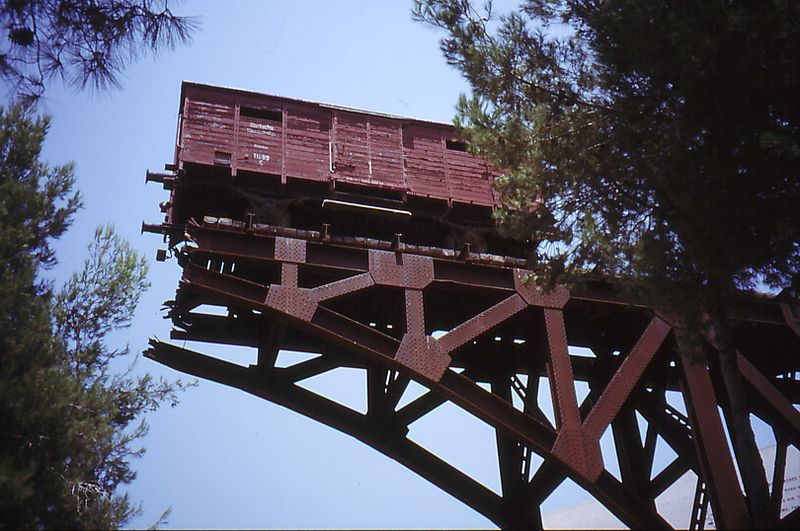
x=311 y=291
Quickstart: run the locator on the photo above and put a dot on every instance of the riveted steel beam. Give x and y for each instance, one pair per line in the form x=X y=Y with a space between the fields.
x=626 y=378
x=297 y=289
x=727 y=500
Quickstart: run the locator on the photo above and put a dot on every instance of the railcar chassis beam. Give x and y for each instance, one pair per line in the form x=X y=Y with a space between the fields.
x=479 y=314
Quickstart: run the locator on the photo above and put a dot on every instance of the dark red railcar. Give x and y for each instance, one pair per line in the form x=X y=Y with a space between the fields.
x=299 y=163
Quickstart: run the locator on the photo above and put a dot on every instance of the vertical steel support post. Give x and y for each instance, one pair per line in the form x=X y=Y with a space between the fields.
x=710 y=442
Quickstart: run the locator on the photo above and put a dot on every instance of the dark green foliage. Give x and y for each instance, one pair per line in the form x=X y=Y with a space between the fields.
x=108 y=405
x=663 y=137
x=36 y=205
x=84 y=42
x=656 y=143
x=70 y=420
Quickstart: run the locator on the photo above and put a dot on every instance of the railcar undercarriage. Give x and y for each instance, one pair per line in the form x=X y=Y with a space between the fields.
x=361 y=212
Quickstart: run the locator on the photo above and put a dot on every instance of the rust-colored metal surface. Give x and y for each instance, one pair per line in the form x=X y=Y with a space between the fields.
x=711 y=447
x=293 y=139
x=464 y=321
x=635 y=364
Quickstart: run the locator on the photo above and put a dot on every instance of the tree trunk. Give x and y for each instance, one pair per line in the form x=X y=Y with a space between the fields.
x=748 y=457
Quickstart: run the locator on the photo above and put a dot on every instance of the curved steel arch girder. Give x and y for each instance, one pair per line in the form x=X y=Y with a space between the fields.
x=280 y=390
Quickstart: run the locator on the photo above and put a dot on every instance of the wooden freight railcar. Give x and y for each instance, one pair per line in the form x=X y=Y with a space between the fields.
x=296 y=163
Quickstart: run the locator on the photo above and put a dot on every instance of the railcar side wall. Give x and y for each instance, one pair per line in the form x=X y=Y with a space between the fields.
x=307 y=141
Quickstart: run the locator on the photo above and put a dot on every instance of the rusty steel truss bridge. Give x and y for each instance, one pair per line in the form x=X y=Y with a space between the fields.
x=289 y=214
x=317 y=292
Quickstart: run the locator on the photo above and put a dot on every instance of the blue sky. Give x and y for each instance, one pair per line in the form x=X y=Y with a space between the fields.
x=224 y=459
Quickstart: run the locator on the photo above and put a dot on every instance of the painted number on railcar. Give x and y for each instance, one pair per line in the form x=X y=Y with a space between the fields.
x=261 y=158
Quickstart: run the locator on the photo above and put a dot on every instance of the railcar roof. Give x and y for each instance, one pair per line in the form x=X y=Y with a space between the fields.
x=321 y=105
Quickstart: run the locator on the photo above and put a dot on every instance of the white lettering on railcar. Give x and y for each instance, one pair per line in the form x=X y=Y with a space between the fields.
x=266 y=127
x=260 y=129
x=260 y=146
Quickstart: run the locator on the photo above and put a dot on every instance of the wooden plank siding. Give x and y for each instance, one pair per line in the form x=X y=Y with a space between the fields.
x=367 y=150
x=469 y=178
x=208 y=126
x=307 y=143
x=387 y=152
x=423 y=153
x=310 y=141
x=351 y=149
